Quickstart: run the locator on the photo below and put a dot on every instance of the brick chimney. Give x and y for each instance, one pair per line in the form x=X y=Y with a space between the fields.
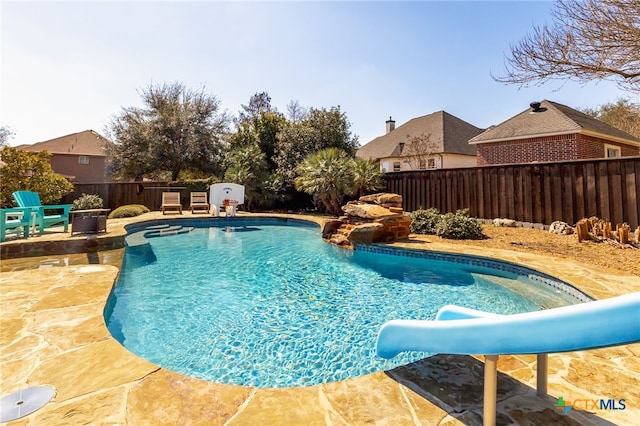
x=390 y=125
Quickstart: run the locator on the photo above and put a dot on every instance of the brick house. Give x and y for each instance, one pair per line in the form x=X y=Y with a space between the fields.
x=80 y=157
x=548 y=132
x=447 y=145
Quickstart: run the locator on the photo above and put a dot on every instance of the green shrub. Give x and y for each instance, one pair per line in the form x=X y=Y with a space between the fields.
x=196 y=184
x=424 y=221
x=459 y=226
x=87 y=202
x=30 y=171
x=130 y=210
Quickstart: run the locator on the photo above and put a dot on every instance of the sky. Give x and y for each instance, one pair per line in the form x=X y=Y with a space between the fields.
x=72 y=66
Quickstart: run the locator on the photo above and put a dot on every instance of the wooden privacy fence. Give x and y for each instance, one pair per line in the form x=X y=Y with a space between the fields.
x=537 y=193
x=116 y=194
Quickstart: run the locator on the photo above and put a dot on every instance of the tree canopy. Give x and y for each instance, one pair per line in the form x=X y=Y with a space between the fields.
x=30 y=171
x=590 y=40
x=319 y=129
x=262 y=128
x=178 y=129
x=258 y=103
x=296 y=112
x=621 y=114
x=248 y=166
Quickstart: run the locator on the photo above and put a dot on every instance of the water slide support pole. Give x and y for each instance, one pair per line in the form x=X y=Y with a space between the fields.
x=490 y=389
x=543 y=367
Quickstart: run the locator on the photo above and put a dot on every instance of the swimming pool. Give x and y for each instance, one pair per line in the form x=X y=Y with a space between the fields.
x=268 y=303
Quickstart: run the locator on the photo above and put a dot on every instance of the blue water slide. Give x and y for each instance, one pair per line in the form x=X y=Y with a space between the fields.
x=459 y=330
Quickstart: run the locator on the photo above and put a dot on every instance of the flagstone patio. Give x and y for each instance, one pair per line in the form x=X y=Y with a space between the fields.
x=52 y=331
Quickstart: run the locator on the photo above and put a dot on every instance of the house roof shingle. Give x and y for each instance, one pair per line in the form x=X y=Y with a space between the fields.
x=551 y=118
x=87 y=142
x=450 y=133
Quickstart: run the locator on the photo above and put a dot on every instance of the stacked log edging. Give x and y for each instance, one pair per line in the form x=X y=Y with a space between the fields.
x=373 y=218
x=599 y=230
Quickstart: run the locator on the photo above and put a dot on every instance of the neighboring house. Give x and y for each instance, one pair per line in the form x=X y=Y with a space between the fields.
x=434 y=141
x=80 y=157
x=548 y=132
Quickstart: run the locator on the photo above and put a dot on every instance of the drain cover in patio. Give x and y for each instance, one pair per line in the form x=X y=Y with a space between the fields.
x=24 y=402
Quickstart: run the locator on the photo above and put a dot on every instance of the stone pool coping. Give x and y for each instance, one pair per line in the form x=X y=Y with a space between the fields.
x=52 y=332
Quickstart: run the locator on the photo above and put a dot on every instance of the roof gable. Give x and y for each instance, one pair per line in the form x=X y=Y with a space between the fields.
x=87 y=142
x=449 y=133
x=549 y=119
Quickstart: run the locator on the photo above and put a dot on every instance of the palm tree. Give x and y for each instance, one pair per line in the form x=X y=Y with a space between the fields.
x=327 y=174
x=247 y=166
x=367 y=176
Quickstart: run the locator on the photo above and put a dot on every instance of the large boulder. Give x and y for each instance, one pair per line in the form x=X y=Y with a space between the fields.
x=382 y=198
x=374 y=218
x=560 y=228
x=504 y=222
x=367 y=211
x=330 y=227
x=366 y=233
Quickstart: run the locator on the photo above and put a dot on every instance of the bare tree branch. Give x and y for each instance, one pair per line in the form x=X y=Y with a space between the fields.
x=420 y=149
x=590 y=40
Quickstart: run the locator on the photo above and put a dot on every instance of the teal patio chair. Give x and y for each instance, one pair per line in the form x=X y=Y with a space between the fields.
x=16 y=220
x=45 y=218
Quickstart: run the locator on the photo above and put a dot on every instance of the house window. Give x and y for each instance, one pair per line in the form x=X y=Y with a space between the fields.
x=423 y=164
x=385 y=166
x=83 y=159
x=611 y=151
x=396 y=166
x=431 y=163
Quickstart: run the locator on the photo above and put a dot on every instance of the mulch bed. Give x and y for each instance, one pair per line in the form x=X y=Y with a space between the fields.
x=604 y=254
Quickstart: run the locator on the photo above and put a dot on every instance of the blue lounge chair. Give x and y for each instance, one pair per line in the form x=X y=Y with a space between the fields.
x=45 y=218
x=16 y=220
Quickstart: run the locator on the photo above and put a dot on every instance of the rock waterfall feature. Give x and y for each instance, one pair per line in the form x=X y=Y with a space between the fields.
x=373 y=218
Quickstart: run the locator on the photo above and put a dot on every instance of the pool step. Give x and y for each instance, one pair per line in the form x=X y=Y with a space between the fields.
x=161 y=226
x=136 y=239
x=139 y=251
x=140 y=238
x=140 y=254
x=171 y=230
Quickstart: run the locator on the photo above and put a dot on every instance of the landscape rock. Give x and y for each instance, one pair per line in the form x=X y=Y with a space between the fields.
x=339 y=240
x=366 y=233
x=374 y=218
x=504 y=222
x=330 y=227
x=560 y=228
x=382 y=198
x=367 y=211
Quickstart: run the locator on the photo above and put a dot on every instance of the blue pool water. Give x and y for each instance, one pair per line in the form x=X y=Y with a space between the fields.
x=272 y=305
